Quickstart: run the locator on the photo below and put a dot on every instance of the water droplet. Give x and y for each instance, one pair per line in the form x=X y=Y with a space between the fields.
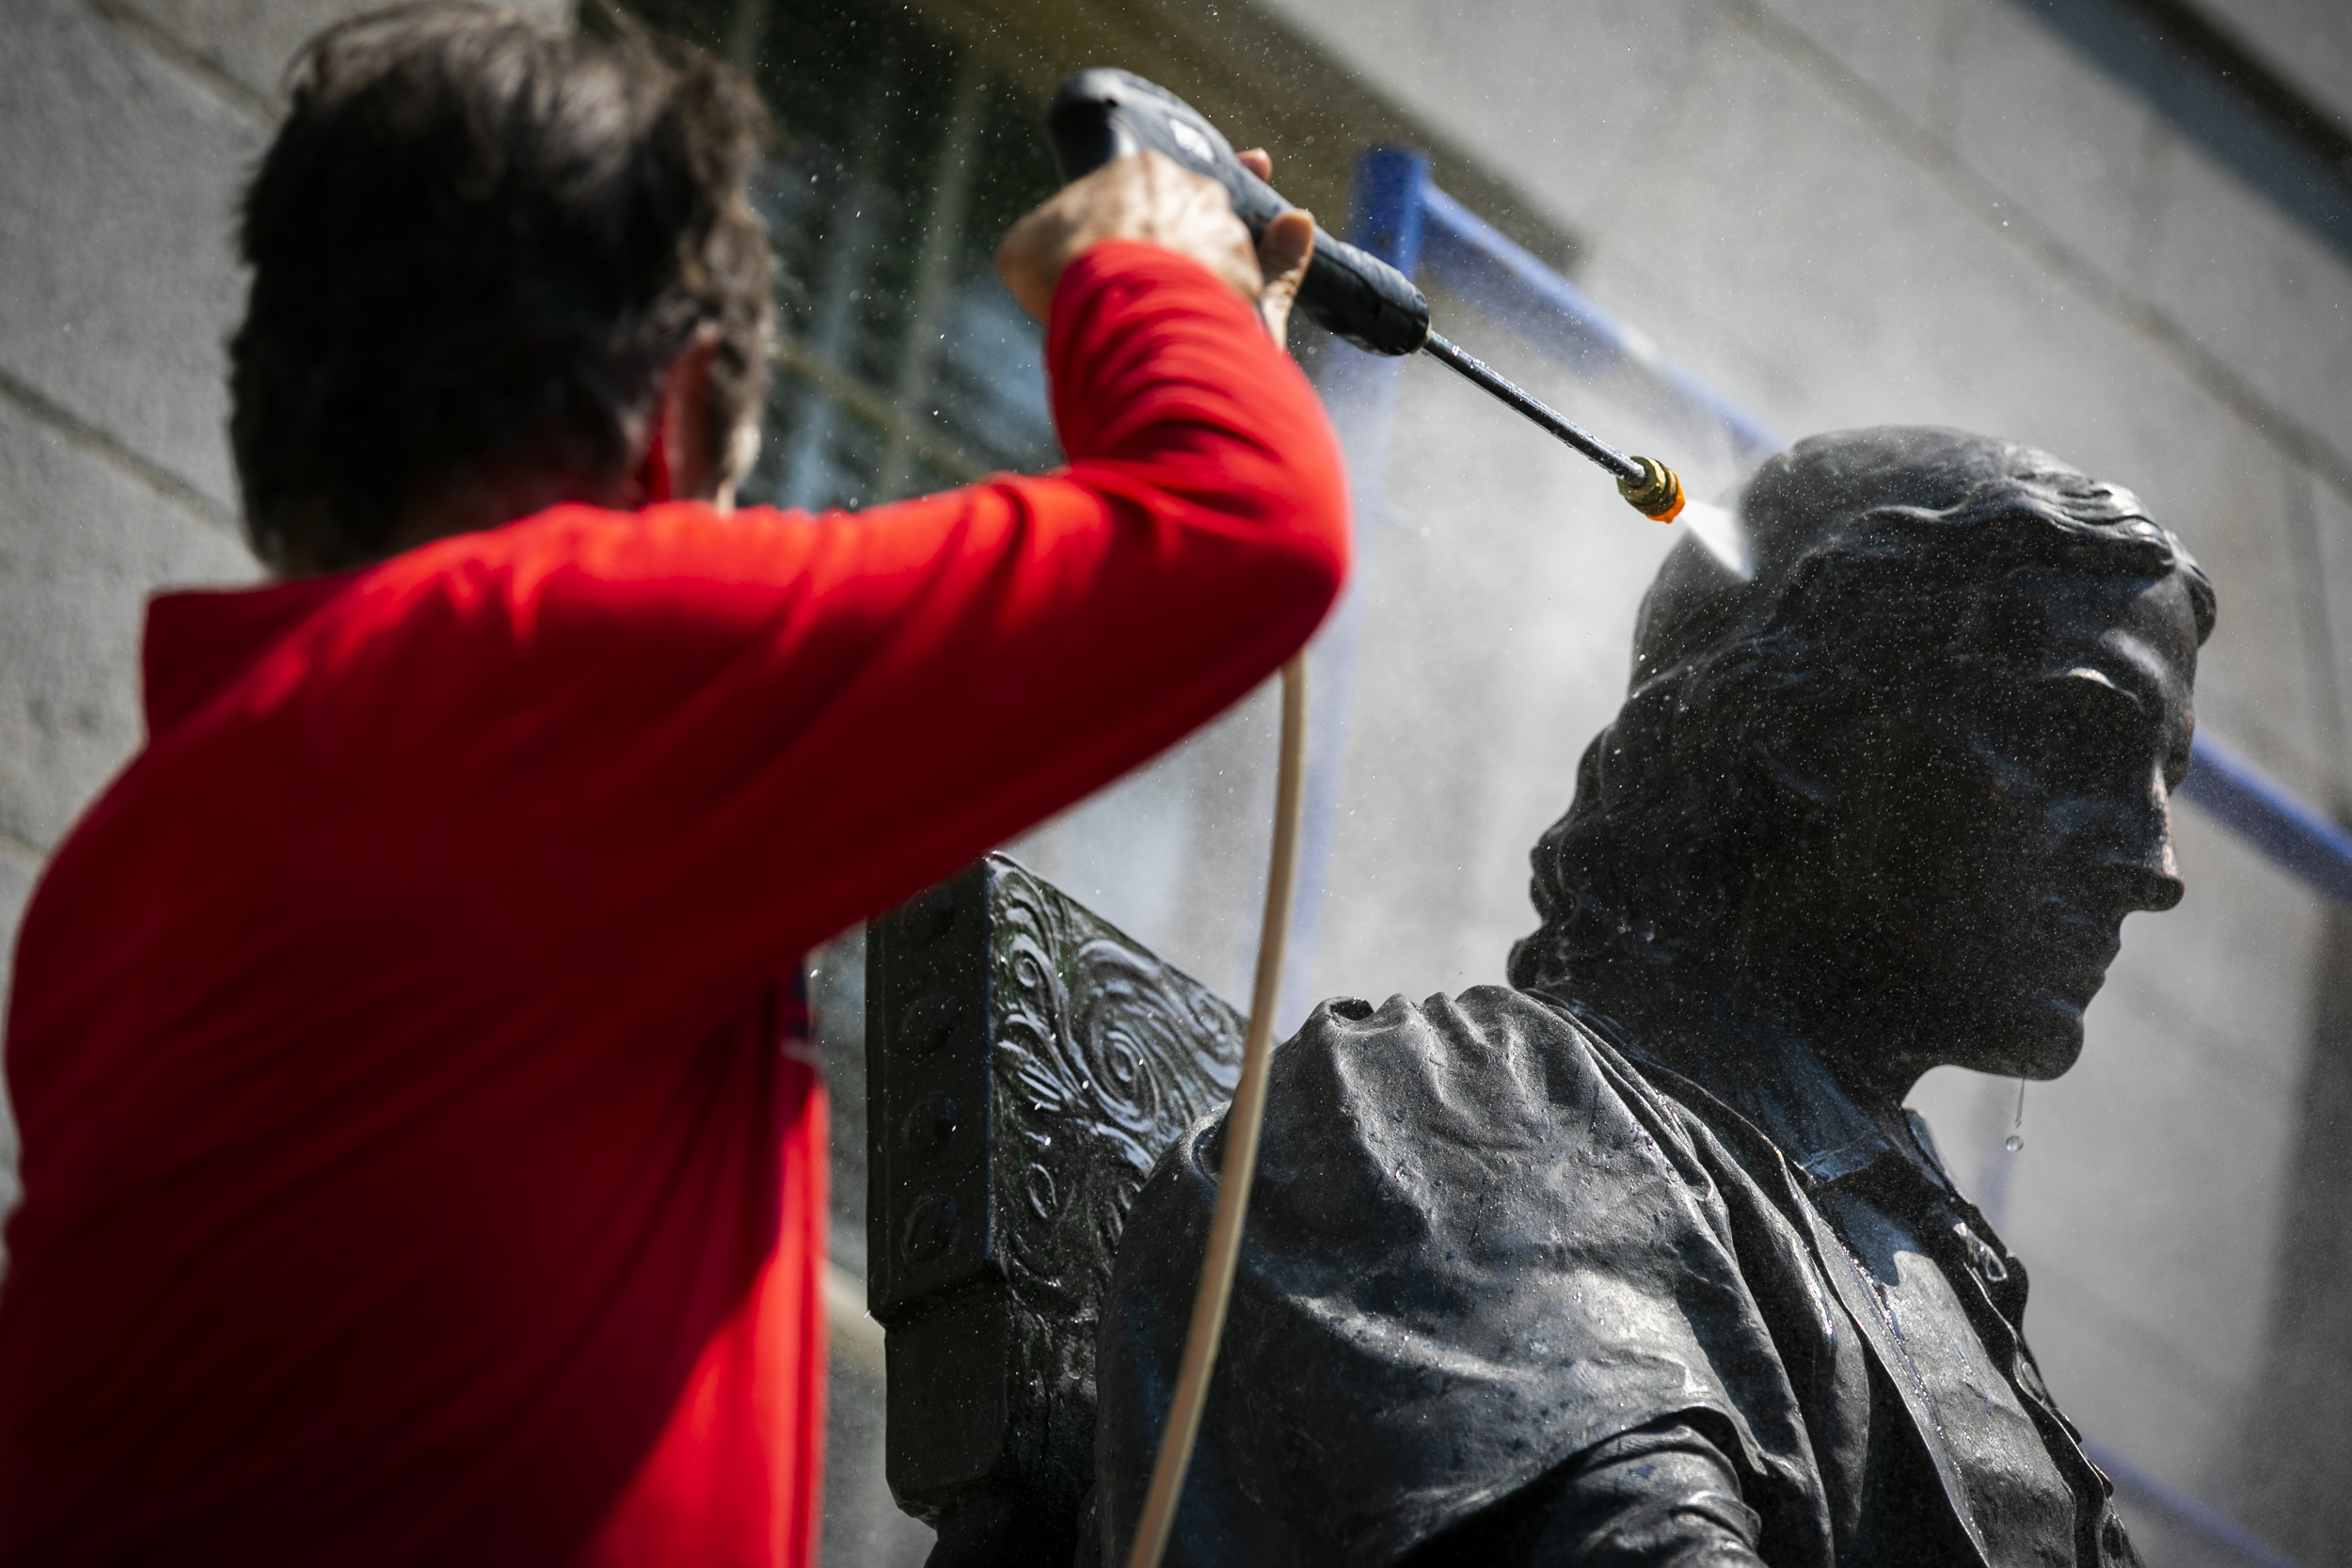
x=2013 y=1143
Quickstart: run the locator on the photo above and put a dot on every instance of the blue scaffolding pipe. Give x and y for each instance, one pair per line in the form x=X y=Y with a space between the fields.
x=1399 y=214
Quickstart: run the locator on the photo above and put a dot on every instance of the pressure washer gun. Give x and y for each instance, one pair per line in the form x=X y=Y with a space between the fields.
x=1097 y=116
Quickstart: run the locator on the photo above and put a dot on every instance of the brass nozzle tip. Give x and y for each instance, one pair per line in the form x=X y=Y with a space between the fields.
x=1656 y=494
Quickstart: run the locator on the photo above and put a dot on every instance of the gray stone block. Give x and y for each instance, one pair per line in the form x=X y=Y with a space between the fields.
x=2054 y=133
x=2256 y=289
x=1555 y=99
x=2236 y=501
x=253 y=42
x=116 y=206
x=2308 y=41
x=82 y=544
x=2297 y=1446
x=19 y=869
x=1793 y=254
x=2331 y=527
x=2229 y=965
x=2185 y=1260
x=2123 y=1387
x=1900 y=49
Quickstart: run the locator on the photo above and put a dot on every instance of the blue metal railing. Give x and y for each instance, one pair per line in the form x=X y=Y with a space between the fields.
x=1399 y=214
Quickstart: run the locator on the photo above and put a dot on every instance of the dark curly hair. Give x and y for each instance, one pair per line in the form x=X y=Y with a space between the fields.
x=479 y=235
x=1880 y=556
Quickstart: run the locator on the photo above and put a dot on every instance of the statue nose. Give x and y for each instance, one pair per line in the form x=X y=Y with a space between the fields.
x=2157 y=888
x=2138 y=854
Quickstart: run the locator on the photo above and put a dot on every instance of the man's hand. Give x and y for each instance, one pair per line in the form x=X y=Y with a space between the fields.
x=1149 y=196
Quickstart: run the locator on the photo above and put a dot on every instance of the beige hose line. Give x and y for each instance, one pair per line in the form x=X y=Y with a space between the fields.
x=1240 y=1166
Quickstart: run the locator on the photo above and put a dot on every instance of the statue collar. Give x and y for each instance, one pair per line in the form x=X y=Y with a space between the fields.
x=1781 y=1086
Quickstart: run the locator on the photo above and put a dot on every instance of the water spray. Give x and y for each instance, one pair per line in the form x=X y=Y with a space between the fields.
x=1098 y=115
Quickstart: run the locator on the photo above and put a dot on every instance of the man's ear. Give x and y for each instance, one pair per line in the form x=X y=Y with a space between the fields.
x=679 y=462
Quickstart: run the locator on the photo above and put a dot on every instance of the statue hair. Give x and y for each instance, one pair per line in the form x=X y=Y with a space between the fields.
x=1894 y=546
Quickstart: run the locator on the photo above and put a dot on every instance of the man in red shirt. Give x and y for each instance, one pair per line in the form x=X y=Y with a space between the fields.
x=413 y=1169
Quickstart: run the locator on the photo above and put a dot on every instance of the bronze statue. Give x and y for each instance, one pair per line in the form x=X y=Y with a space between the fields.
x=1642 y=1258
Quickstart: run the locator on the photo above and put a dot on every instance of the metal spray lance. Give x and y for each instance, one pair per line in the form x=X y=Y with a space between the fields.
x=1097 y=116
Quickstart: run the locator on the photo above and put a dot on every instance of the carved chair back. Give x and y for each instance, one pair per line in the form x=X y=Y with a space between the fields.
x=1027 y=1063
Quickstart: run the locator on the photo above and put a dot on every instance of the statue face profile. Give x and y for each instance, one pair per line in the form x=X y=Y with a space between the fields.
x=1898 y=788
x=1992 y=834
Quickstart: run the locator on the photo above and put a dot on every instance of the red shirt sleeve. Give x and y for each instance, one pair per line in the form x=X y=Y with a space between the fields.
x=687 y=742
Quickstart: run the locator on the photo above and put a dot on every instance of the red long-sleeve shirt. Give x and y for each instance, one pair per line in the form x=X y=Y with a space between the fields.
x=412 y=1171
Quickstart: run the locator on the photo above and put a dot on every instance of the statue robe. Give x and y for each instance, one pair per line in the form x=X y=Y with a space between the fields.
x=1486 y=1239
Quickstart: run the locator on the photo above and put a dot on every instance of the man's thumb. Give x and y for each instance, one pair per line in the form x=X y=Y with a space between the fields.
x=1283 y=252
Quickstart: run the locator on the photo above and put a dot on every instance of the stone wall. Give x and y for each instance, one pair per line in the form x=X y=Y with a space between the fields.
x=125 y=142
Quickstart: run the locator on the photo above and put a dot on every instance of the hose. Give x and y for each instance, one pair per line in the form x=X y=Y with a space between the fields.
x=1239 y=1167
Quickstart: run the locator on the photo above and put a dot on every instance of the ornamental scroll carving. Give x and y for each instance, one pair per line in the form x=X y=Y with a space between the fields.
x=1103 y=1055
x=1027 y=1062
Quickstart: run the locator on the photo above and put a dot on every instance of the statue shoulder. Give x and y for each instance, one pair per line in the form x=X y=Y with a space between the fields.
x=1489 y=1063
x=1408 y=1108
x=1478 y=1242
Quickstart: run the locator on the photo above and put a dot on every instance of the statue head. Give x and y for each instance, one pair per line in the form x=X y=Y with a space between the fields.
x=1900 y=783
